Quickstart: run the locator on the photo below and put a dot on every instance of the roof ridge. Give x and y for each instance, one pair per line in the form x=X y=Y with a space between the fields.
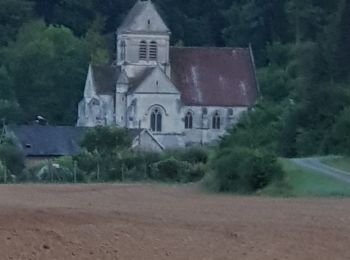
x=209 y=47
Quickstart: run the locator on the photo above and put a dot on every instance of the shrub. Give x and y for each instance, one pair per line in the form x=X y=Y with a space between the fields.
x=12 y=158
x=149 y=159
x=106 y=139
x=173 y=170
x=129 y=165
x=191 y=155
x=166 y=170
x=59 y=170
x=194 y=155
x=194 y=173
x=86 y=161
x=243 y=170
x=68 y=165
x=3 y=171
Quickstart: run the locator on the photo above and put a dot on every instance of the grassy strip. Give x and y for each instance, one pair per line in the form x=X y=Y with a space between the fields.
x=301 y=182
x=341 y=163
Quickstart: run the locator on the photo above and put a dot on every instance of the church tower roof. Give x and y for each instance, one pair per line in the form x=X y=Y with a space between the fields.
x=144 y=18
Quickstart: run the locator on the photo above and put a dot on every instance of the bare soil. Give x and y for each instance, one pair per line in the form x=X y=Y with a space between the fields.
x=166 y=222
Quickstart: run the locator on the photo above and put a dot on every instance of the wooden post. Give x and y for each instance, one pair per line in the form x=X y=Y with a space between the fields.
x=3 y=132
x=5 y=175
x=75 y=171
x=98 y=171
x=50 y=171
x=123 y=172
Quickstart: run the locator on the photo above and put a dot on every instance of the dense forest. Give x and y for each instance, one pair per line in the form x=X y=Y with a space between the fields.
x=301 y=49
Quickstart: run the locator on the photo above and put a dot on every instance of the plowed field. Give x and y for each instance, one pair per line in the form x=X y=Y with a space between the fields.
x=166 y=222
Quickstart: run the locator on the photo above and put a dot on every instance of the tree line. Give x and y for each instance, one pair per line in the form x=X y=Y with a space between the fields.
x=301 y=49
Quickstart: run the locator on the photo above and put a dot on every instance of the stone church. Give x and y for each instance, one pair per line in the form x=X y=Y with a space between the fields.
x=183 y=95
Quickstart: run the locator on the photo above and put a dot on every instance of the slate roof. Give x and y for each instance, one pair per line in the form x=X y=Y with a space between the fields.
x=134 y=133
x=105 y=78
x=136 y=20
x=48 y=140
x=141 y=77
x=214 y=76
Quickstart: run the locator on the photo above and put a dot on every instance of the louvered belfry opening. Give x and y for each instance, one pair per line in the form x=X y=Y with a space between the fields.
x=122 y=50
x=153 y=51
x=143 y=50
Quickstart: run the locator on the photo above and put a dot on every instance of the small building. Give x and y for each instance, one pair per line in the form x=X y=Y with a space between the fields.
x=49 y=142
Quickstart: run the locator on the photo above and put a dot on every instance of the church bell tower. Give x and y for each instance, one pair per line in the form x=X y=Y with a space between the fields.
x=143 y=39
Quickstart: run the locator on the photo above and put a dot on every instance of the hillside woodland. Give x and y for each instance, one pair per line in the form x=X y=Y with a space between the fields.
x=301 y=49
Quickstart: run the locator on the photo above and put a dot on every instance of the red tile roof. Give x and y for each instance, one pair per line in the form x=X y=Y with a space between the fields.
x=204 y=76
x=214 y=76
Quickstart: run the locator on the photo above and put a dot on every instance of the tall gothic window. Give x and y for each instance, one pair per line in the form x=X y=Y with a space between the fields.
x=143 y=50
x=156 y=120
x=122 y=50
x=230 y=112
x=189 y=120
x=216 y=121
x=153 y=51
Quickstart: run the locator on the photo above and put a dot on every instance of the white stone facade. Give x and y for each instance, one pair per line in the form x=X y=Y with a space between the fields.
x=143 y=95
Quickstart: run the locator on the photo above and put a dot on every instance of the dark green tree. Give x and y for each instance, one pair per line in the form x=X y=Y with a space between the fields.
x=13 y=14
x=47 y=65
x=106 y=140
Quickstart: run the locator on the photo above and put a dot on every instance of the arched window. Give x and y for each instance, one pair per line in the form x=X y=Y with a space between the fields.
x=122 y=50
x=156 y=120
x=153 y=51
x=230 y=112
x=204 y=111
x=216 y=121
x=189 y=120
x=143 y=50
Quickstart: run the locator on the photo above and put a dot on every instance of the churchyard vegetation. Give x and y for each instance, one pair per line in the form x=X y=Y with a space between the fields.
x=106 y=156
x=302 y=55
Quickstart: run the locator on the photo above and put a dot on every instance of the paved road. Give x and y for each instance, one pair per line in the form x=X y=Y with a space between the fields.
x=317 y=165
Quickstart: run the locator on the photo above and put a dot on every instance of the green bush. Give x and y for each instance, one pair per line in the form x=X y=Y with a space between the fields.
x=243 y=170
x=4 y=171
x=173 y=170
x=191 y=155
x=87 y=162
x=106 y=139
x=12 y=158
x=166 y=170
x=194 y=155
x=60 y=170
x=194 y=173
